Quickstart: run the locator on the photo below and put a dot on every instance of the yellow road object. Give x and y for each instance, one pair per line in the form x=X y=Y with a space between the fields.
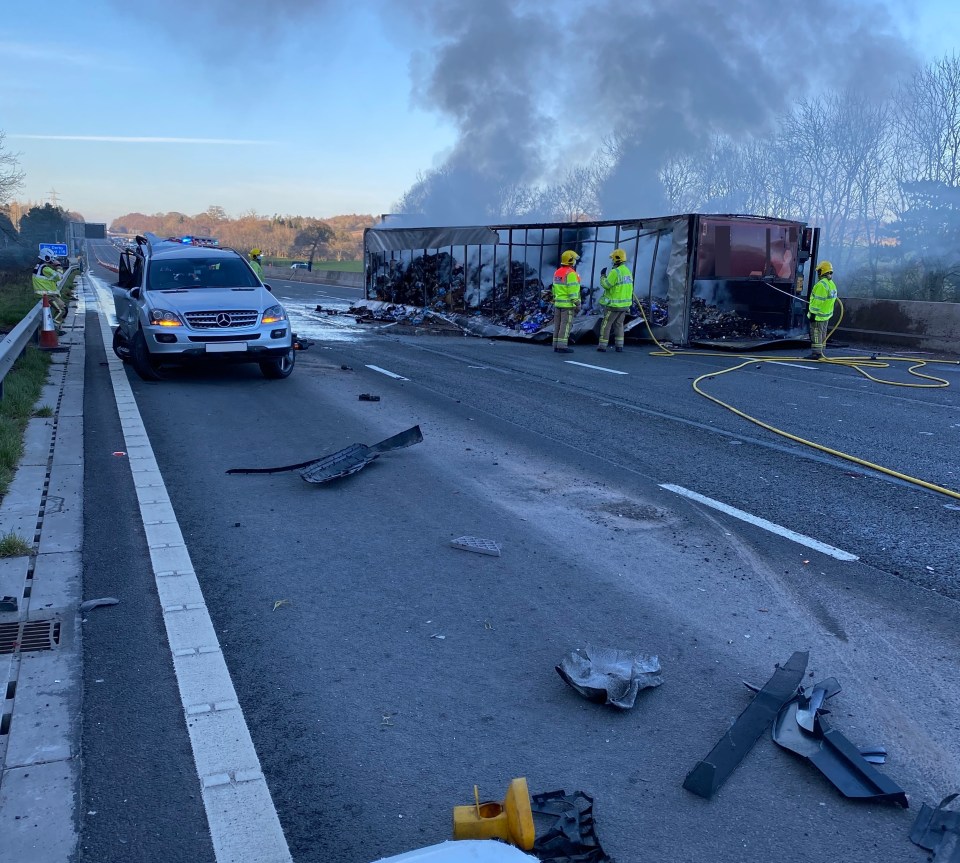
x=859 y=364
x=511 y=820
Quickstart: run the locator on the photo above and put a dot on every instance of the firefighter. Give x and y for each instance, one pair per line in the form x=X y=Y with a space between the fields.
x=566 y=300
x=822 y=299
x=46 y=282
x=256 y=262
x=616 y=300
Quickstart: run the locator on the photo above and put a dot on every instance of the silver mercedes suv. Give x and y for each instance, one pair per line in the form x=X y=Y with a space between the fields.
x=179 y=304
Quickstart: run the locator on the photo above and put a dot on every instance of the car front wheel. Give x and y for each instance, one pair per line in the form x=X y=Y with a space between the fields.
x=141 y=360
x=281 y=367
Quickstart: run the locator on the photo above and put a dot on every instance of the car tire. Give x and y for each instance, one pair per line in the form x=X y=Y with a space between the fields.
x=275 y=370
x=120 y=346
x=141 y=361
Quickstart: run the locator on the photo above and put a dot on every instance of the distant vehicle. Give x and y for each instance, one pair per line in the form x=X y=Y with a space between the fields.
x=177 y=304
x=300 y=265
x=190 y=240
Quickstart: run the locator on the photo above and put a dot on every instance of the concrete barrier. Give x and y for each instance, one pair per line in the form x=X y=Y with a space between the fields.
x=903 y=323
x=328 y=277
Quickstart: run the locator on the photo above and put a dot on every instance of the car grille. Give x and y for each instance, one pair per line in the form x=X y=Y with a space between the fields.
x=218 y=320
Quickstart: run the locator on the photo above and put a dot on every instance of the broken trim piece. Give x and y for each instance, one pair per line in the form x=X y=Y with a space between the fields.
x=709 y=774
x=932 y=828
x=344 y=462
x=835 y=757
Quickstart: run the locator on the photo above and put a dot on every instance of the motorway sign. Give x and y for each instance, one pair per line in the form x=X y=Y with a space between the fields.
x=59 y=249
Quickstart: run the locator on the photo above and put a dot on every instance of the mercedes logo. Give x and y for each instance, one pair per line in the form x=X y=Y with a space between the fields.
x=223 y=320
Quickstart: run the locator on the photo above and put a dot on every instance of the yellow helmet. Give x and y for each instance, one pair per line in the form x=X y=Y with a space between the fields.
x=824 y=267
x=569 y=258
x=255 y=253
x=618 y=256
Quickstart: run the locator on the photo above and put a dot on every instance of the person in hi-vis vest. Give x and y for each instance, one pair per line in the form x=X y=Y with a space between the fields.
x=822 y=299
x=566 y=300
x=616 y=300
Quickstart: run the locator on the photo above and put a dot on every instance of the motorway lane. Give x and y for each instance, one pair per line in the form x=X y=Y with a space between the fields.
x=370 y=726
x=361 y=713
x=670 y=434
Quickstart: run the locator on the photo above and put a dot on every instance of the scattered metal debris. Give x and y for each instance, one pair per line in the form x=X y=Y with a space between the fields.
x=368 y=397
x=343 y=462
x=938 y=830
x=708 y=775
x=610 y=676
x=475 y=543
x=96 y=603
x=300 y=343
x=571 y=836
x=800 y=726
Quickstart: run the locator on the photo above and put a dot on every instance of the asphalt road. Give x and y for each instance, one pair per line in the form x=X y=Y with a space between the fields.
x=383 y=673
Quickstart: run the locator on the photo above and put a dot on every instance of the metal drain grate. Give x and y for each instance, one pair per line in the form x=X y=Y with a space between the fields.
x=28 y=636
x=477 y=544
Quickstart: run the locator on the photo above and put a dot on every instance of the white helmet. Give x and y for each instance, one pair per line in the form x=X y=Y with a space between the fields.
x=46 y=255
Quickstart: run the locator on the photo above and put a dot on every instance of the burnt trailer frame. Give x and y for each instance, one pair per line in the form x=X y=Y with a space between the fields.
x=702 y=279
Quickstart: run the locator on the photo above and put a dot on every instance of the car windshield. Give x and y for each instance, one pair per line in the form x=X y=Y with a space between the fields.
x=199 y=272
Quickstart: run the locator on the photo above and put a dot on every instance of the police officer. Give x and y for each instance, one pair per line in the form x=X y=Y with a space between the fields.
x=822 y=299
x=256 y=261
x=566 y=300
x=46 y=282
x=616 y=300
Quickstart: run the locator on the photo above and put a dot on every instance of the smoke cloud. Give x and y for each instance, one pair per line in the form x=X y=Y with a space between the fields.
x=529 y=87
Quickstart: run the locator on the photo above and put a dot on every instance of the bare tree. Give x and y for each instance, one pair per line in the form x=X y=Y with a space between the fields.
x=11 y=177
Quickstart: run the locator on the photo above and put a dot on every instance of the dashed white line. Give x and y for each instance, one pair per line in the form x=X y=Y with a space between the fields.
x=785 y=532
x=598 y=368
x=396 y=377
x=791 y=365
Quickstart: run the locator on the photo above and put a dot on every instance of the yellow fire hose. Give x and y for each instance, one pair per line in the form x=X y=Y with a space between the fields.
x=857 y=363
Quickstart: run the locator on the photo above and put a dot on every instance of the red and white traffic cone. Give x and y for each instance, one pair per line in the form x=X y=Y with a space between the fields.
x=48 y=332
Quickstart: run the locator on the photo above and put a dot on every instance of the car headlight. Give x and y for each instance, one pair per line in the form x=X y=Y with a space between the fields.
x=273 y=315
x=163 y=318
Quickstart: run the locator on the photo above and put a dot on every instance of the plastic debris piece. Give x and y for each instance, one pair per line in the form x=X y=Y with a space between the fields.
x=368 y=397
x=568 y=831
x=835 y=757
x=709 y=774
x=610 y=676
x=96 y=603
x=475 y=543
x=938 y=830
x=280 y=603
x=346 y=368
x=344 y=462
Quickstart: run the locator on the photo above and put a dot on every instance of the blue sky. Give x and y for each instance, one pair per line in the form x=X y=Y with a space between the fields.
x=287 y=107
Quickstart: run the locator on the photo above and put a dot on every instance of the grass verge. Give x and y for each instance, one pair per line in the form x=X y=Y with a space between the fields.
x=22 y=385
x=14 y=545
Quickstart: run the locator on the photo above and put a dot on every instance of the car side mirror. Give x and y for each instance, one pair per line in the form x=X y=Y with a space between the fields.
x=135 y=293
x=269 y=288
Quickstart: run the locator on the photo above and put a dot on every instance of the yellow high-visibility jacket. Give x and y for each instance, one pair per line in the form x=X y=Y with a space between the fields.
x=45 y=279
x=566 y=288
x=617 y=288
x=822 y=299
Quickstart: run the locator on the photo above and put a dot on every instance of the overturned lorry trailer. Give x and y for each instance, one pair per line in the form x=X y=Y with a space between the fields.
x=714 y=280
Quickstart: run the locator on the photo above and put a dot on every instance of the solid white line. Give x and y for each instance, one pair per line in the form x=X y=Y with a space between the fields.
x=785 y=532
x=388 y=374
x=598 y=368
x=243 y=822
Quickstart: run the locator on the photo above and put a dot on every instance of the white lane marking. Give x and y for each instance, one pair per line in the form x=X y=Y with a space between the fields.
x=792 y=365
x=243 y=822
x=598 y=368
x=388 y=374
x=785 y=532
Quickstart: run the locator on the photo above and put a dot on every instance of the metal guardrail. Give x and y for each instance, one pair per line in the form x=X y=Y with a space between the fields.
x=15 y=342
